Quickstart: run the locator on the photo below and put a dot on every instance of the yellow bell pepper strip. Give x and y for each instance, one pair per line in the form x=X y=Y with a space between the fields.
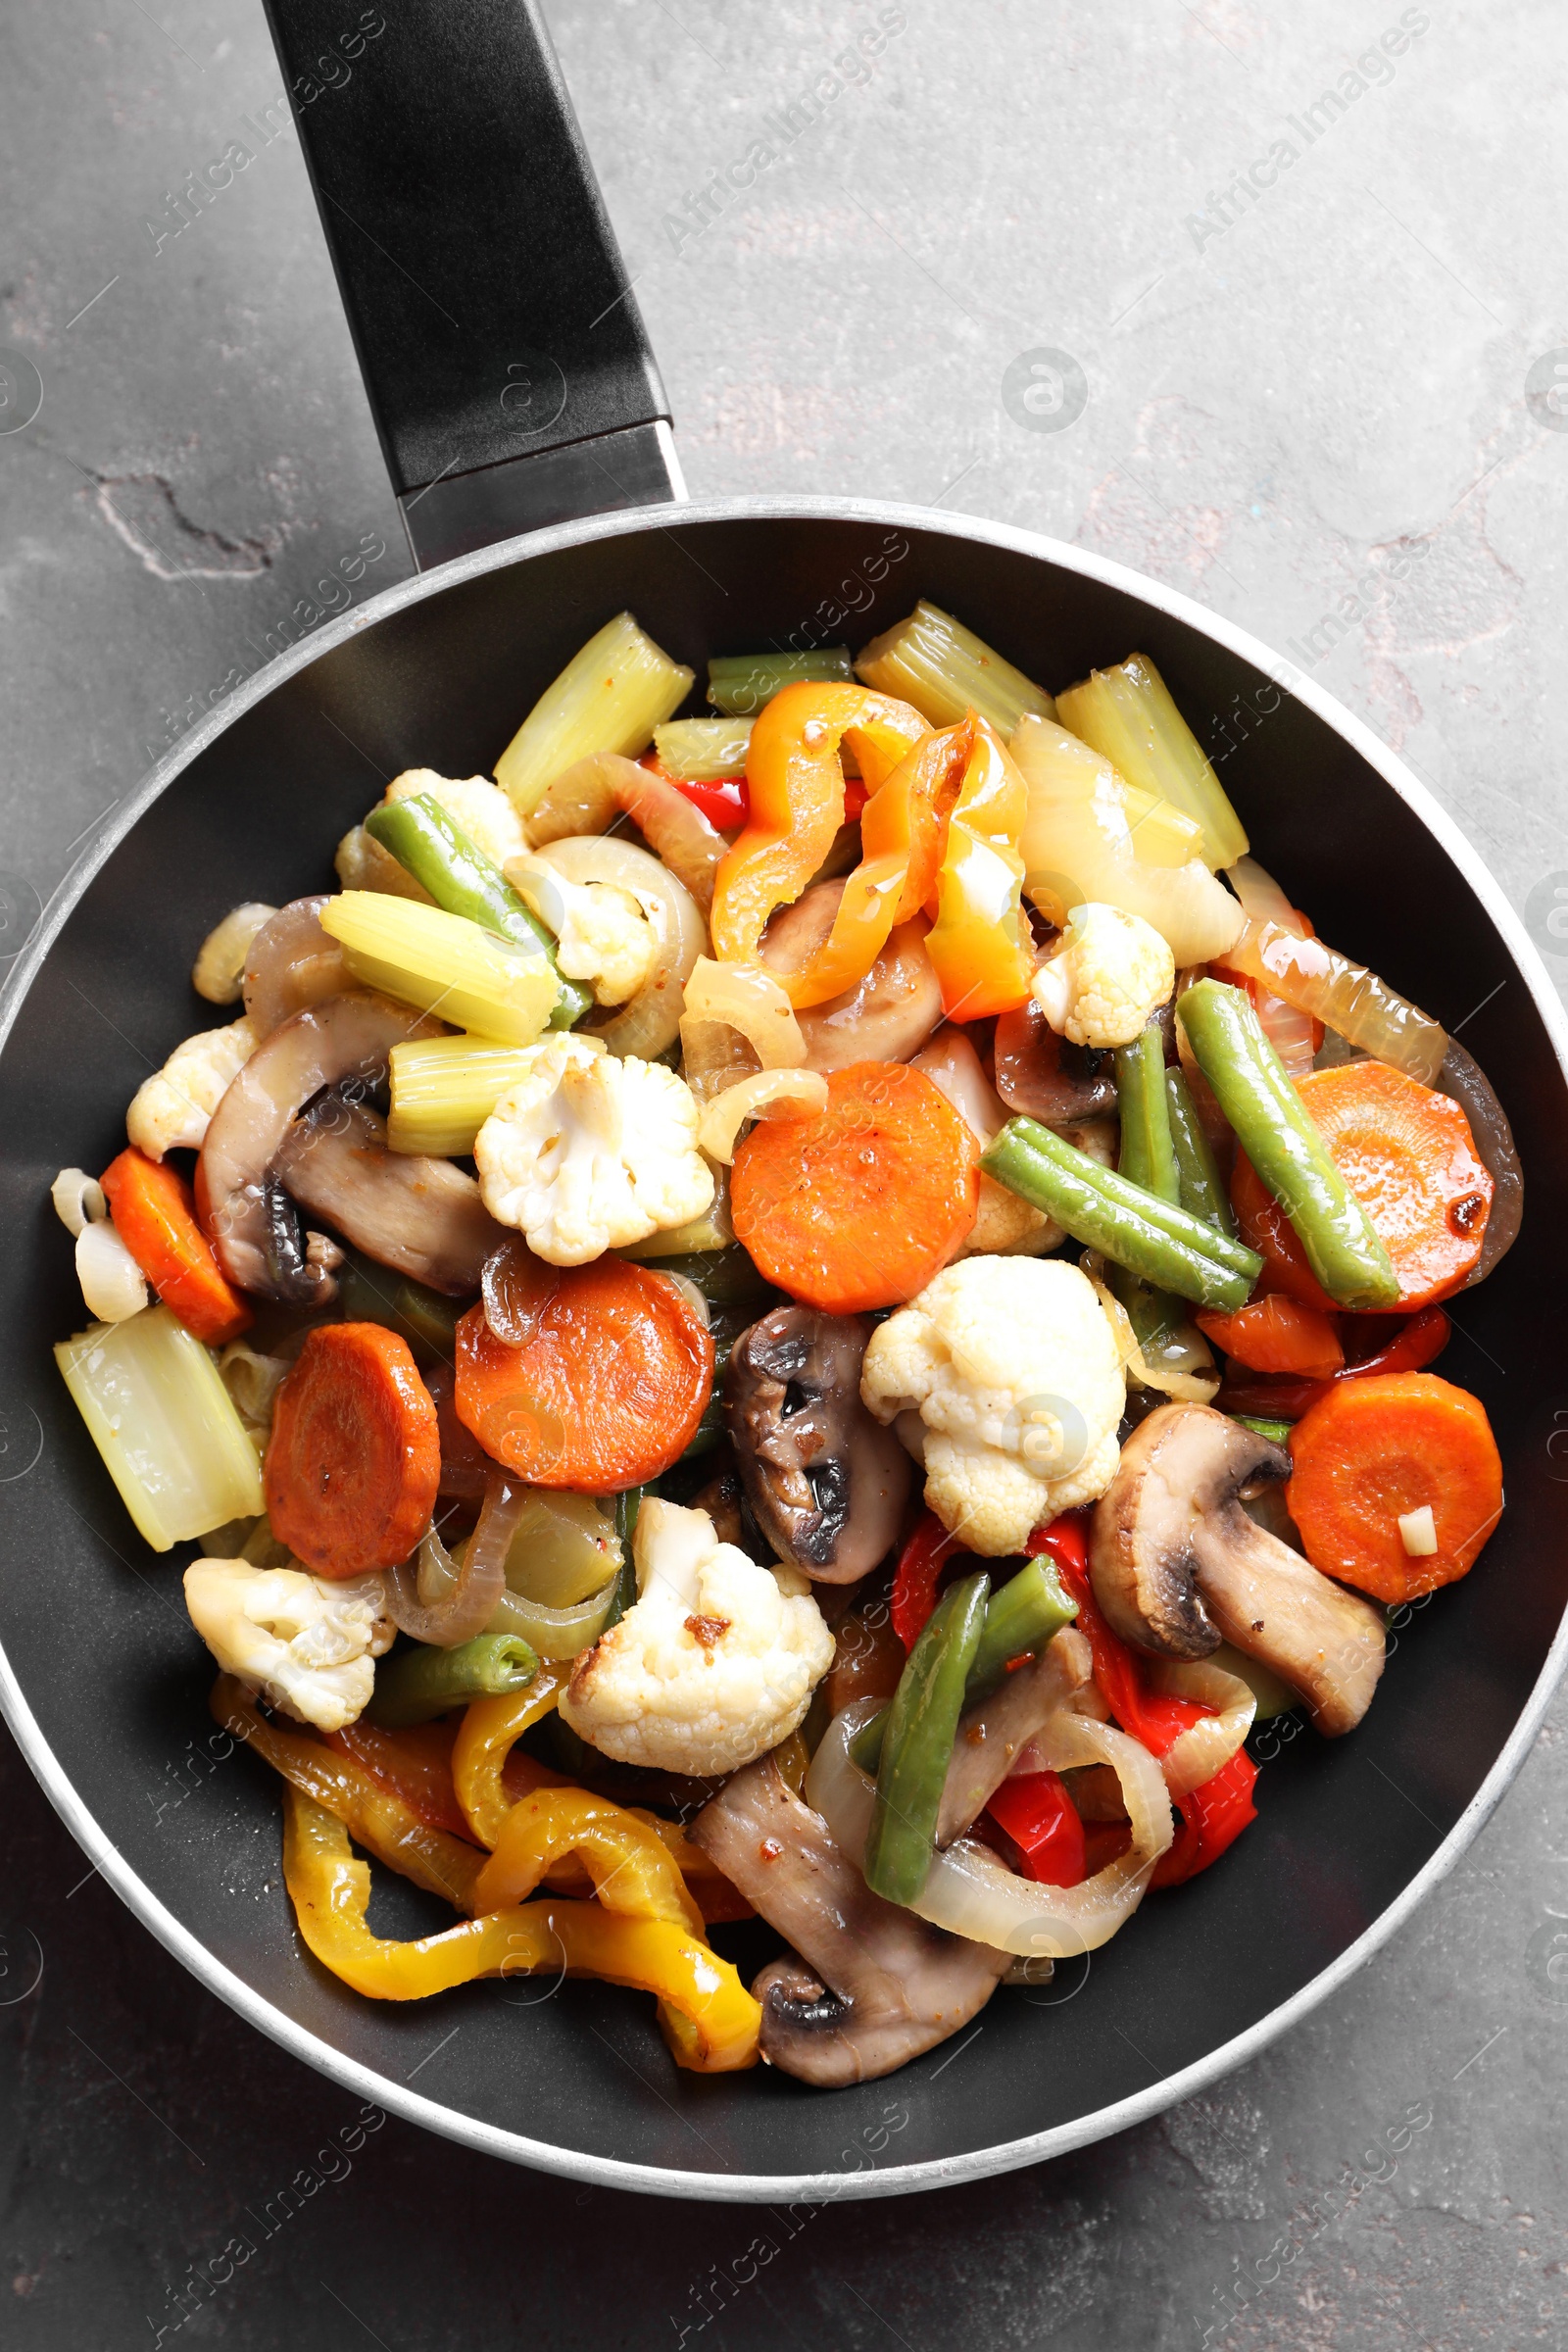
x=711 y=2020
x=382 y=1822
x=980 y=943
x=935 y=769
x=630 y=1869
x=795 y=786
x=486 y=1739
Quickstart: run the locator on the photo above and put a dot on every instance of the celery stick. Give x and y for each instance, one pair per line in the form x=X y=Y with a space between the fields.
x=1162 y=834
x=445 y=1088
x=739 y=684
x=1128 y=715
x=445 y=965
x=701 y=750
x=159 y=1414
x=932 y=661
x=609 y=698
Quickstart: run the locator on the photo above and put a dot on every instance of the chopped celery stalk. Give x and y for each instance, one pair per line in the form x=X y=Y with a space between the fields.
x=739 y=684
x=932 y=661
x=1128 y=715
x=609 y=698
x=699 y=751
x=445 y=1088
x=159 y=1414
x=445 y=965
x=1162 y=834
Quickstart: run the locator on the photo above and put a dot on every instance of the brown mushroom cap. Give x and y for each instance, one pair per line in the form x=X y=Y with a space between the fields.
x=1178 y=1566
x=422 y=1217
x=885 y=1018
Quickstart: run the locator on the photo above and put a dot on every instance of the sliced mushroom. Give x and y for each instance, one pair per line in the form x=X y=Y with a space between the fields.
x=253 y=1229
x=994 y=1731
x=826 y=1481
x=291 y=963
x=1039 y=1073
x=422 y=1217
x=874 y=1985
x=1178 y=1566
x=887 y=1016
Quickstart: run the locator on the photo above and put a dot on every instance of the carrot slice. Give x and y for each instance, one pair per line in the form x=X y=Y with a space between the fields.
x=858 y=1207
x=1407 y=1154
x=155 y=1216
x=607 y=1387
x=355 y=1455
x=1277 y=1333
x=1373 y=1450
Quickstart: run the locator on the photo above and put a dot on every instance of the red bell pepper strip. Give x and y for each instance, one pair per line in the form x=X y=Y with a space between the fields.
x=722 y=798
x=1214 y=1817
x=1038 y=1829
x=914 y=1581
x=1423 y=1338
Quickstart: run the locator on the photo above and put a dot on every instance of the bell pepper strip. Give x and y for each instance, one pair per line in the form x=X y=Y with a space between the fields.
x=933 y=774
x=915 y=1580
x=794 y=785
x=723 y=799
x=711 y=2020
x=1278 y=1334
x=1421 y=1341
x=155 y=1215
x=980 y=943
x=414 y=1765
x=1038 y=1829
x=380 y=1820
x=631 y=1867
x=486 y=1736
x=1214 y=1817
x=1154 y=1718
x=917 y=1742
x=873 y=894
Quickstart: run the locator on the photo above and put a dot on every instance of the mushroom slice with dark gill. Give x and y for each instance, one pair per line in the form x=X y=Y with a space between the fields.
x=826 y=1481
x=994 y=1731
x=1178 y=1566
x=1042 y=1075
x=874 y=1985
x=421 y=1217
x=245 y=1206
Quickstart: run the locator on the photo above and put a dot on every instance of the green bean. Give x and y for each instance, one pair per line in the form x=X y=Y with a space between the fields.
x=1029 y=1610
x=918 y=1745
x=423 y=839
x=1134 y=1229
x=1201 y=1191
x=1147 y=1153
x=739 y=684
x=1278 y=1136
x=418 y=1683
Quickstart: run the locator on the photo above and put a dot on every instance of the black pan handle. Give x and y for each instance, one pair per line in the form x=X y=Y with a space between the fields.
x=507 y=366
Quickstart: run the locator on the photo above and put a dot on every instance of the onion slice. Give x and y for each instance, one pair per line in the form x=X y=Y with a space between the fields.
x=589 y=795
x=967 y=1891
x=1187 y=1371
x=765 y=1095
x=1342 y=995
x=1206 y=1747
x=462 y=1601
x=737 y=1019
x=650 y=1022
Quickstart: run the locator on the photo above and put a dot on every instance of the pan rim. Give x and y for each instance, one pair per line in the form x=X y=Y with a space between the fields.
x=938 y=2171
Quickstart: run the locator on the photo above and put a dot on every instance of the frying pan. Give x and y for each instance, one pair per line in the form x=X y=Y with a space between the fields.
x=515 y=393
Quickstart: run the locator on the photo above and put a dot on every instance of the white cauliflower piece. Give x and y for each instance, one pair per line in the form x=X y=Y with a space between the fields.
x=171 y=1110
x=305 y=1643
x=1109 y=973
x=587 y=1152
x=714 y=1664
x=602 y=934
x=475 y=805
x=1009 y=1374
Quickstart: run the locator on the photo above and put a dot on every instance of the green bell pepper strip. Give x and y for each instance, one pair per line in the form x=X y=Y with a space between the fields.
x=1148 y=1151
x=420 y=1684
x=917 y=1744
x=1151 y=1237
x=1276 y=1132
x=1201 y=1191
x=461 y=879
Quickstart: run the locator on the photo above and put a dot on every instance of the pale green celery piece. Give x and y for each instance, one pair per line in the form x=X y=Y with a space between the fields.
x=740 y=684
x=610 y=698
x=1127 y=714
x=942 y=668
x=159 y=1414
x=700 y=751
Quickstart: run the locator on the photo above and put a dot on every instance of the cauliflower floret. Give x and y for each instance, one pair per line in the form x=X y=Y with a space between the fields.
x=305 y=1643
x=1007 y=1227
x=587 y=1152
x=602 y=934
x=714 y=1664
x=1107 y=976
x=1009 y=1372
x=171 y=1110
x=475 y=805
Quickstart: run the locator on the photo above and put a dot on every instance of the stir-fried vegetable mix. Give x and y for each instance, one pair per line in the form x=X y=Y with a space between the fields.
x=805 y=1309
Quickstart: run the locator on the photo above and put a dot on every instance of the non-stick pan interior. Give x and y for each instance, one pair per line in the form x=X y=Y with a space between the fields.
x=92 y=1622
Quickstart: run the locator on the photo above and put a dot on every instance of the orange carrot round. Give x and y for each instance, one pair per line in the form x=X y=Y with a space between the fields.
x=609 y=1385
x=355 y=1455
x=1277 y=1333
x=155 y=1216
x=859 y=1207
x=1374 y=1450
x=1407 y=1154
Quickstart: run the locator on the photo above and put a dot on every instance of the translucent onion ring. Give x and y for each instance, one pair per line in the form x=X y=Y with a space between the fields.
x=462 y=1603
x=737 y=1019
x=1208 y=1745
x=589 y=795
x=652 y=1020
x=1182 y=1376
x=765 y=1095
x=554 y=1632
x=1342 y=995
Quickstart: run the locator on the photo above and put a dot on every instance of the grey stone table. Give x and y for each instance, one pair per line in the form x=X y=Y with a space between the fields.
x=1310 y=262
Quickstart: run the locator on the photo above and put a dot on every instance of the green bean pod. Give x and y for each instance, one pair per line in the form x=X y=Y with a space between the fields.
x=1153 y=1238
x=628 y=1502
x=420 y=1684
x=423 y=839
x=1029 y=1610
x=1147 y=1153
x=917 y=1744
x=1276 y=1132
x=1202 y=1190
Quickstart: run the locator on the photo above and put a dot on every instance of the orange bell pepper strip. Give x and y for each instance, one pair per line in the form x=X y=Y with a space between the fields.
x=795 y=787
x=980 y=943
